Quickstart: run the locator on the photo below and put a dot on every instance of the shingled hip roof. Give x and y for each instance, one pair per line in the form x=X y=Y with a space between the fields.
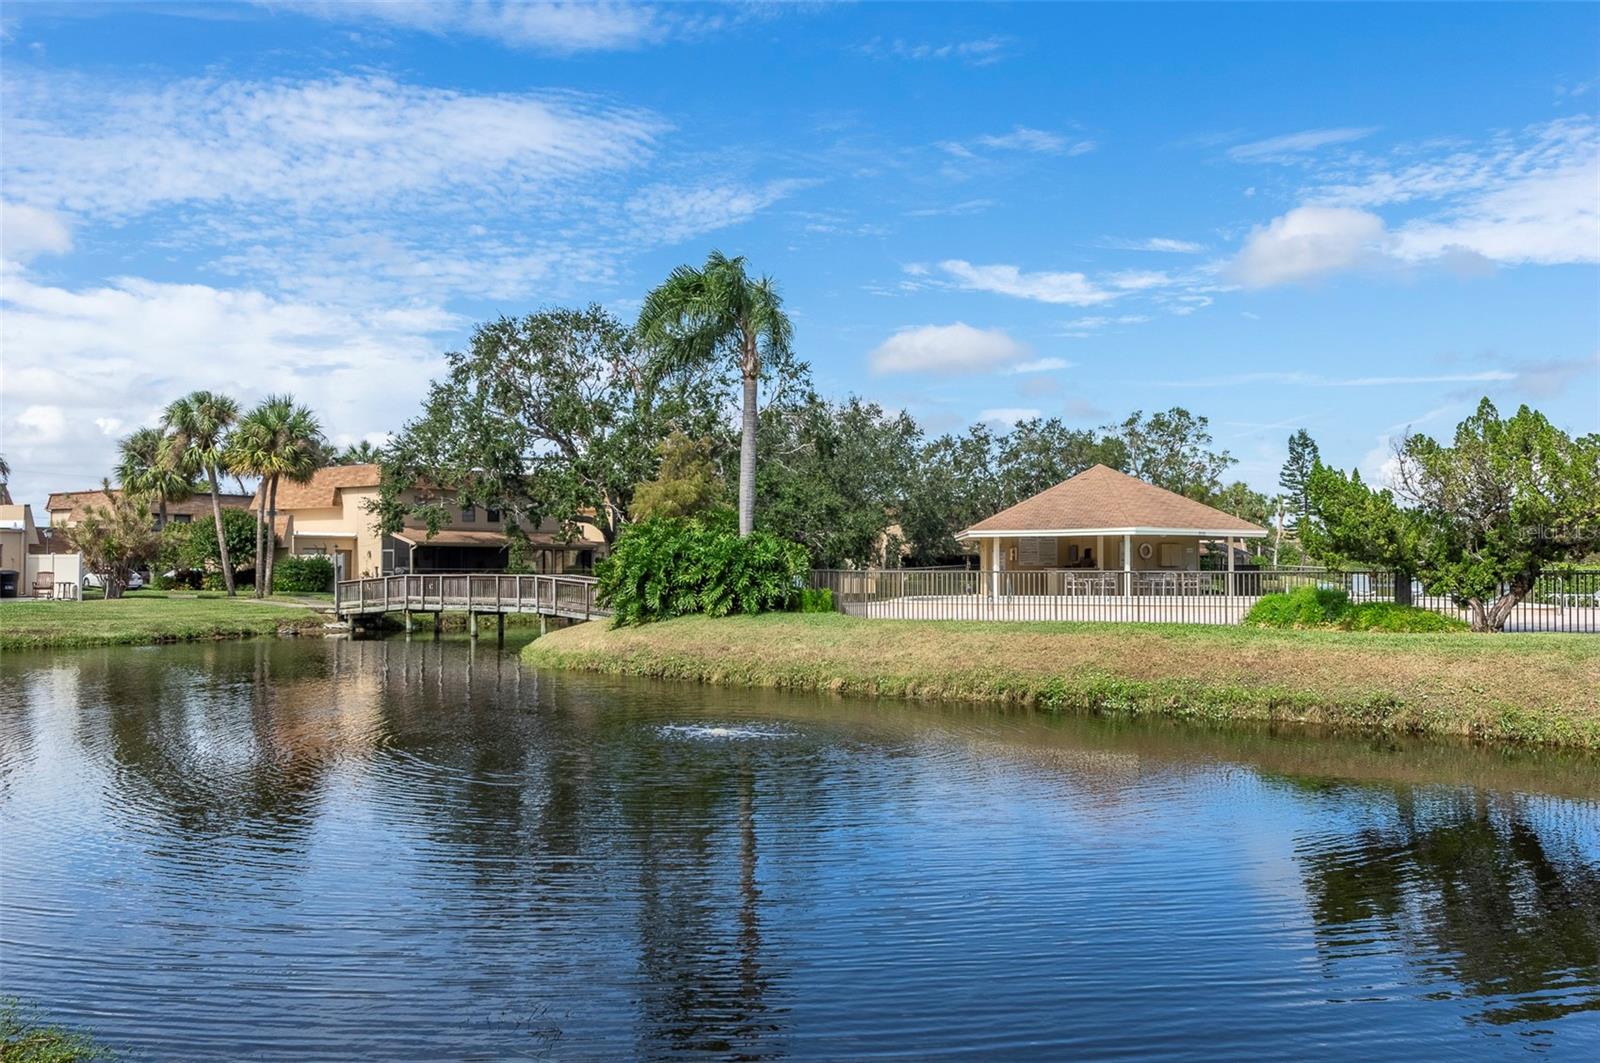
x=322 y=490
x=1101 y=500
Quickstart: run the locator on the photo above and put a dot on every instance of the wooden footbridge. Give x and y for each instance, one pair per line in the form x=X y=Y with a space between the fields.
x=476 y=593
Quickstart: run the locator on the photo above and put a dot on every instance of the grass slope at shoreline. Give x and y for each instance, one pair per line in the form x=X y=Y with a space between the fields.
x=136 y=620
x=1542 y=689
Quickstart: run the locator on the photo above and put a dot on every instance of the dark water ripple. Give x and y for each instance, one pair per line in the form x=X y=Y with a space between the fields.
x=397 y=851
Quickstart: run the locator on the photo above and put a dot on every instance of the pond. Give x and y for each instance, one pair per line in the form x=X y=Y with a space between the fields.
x=393 y=850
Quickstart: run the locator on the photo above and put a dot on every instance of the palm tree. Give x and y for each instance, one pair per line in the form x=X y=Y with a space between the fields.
x=362 y=453
x=276 y=440
x=5 y=481
x=146 y=470
x=696 y=315
x=198 y=424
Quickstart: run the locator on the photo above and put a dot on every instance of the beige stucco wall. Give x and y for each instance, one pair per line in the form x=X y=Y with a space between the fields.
x=330 y=529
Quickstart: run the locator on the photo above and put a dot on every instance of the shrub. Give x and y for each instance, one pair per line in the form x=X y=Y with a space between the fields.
x=1325 y=607
x=816 y=601
x=302 y=574
x=670 y=567
x=1387 y=616
x=1301 y=607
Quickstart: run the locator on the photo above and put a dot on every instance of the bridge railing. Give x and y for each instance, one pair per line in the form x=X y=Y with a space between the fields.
x=487 y=592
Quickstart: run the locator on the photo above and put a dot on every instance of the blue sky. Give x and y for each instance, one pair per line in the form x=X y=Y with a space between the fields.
x=1352 y=219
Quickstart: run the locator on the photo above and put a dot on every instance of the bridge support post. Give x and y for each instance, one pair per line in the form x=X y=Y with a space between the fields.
x=500 y=628
x=438 y=623
x=472 y=624
x=407 y=615
x=543 y=620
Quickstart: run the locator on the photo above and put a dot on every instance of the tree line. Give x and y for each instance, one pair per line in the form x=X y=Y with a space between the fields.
x=201 y=439
x=574 y=416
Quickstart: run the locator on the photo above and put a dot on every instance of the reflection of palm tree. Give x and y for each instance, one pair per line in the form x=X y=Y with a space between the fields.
x=1474 y=883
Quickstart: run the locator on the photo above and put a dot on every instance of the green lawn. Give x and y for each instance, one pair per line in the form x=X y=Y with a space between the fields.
x=148 y=616
x=1521 y=688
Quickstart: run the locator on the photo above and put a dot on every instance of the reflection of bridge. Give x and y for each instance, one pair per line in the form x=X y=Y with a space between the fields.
x=475 y=593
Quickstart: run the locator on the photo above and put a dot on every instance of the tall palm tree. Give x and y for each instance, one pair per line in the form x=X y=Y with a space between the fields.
x=198 y=425
x=362 y=453
x=145 y=469
x=276 y=441
x=719 y=310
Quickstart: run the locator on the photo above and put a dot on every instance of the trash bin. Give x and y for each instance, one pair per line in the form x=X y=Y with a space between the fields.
x=8 y=583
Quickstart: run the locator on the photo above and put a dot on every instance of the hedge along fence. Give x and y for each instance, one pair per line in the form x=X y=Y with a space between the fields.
x=302 y=575
x=669 y=567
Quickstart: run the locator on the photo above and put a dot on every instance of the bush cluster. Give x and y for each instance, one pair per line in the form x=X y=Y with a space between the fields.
x=666 y=567
x=300 y=575
x=1327 y=607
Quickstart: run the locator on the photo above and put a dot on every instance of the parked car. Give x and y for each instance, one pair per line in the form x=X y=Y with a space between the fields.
x=94 y=579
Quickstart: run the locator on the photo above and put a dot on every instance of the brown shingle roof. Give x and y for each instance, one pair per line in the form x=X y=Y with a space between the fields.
x=73 y=503
x=322 y=491
x=1101 y=498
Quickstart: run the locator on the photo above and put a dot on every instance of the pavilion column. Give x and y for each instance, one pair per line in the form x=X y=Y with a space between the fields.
x=1127 y=565
x=1100 y=552
x=1232 y=588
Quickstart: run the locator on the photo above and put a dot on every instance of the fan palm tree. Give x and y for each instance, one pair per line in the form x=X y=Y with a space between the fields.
x=717 y=311
x=362 y=453
x=198 y=426
x=275 y=441
x=146 y=470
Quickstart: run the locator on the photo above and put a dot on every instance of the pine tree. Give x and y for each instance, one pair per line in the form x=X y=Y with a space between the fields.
x=1303 y=457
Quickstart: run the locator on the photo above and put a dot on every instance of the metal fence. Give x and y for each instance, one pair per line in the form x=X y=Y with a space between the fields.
x=1564 y=601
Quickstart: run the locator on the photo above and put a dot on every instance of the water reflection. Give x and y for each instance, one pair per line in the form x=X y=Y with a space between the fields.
x=372 y=849
x=1490 y=895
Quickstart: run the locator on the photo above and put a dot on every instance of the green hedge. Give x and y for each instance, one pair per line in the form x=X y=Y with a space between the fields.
x=302 y=574
x=671 y=567
x=815 y=601
x=1326 y=607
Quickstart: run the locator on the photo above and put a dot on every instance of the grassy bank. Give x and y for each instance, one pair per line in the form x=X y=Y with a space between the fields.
x=144 y=619
x=1524 y=688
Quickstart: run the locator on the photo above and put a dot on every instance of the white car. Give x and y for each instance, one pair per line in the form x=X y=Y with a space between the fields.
x=94 y=579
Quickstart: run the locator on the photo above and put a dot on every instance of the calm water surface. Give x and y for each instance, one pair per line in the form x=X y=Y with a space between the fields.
x=416 y=851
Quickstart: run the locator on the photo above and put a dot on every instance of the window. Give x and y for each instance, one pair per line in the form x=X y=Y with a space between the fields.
x=181 y=518
x=492 y=515
x=1037 y=552
x=469 y=514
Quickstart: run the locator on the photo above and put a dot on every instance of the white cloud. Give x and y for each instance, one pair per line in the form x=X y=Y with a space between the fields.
x=1084 y=326
x=1072 y=289
x=82 y=364
x=1309 y=242
x=1041 y=365
x=42 y=424
x=968 y=206
x=348 y=142
x=28 y=231
x=560 y=28
x=1009 y=415
x=979 y=51
x=1523 y=198
x=1022 y=138
x=1134 y=280
x=1291 y=144
x=666 y=213
x=1155 y=243
x=946 y=349
x=1547 y=219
